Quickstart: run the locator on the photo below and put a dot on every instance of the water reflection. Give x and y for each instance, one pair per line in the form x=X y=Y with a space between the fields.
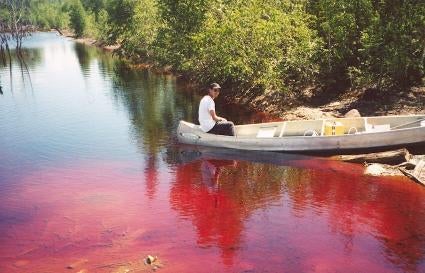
x=85 y=56
x=149 y=99
x=19 y=66
x=219 y=198
x=154 y=113
x=381 y=209
x=211 y=170
x=154 y=107
x=219 y=195
x=90 y=170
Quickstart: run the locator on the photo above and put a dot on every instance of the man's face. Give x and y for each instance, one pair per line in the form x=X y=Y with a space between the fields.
x=214 y=92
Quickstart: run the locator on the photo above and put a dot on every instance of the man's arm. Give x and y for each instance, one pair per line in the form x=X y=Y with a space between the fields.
x=215 y=117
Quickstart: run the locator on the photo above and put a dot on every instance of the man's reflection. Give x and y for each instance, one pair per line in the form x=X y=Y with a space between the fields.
x=210 y=170
x=216 y=215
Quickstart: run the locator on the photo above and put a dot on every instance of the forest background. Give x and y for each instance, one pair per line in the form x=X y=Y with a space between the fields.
x=254 y=46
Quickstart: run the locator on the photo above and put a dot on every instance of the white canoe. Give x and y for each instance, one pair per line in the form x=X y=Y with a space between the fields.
x=311 y=135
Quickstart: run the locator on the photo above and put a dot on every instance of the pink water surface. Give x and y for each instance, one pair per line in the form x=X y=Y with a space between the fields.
x=211 y=216
x=92 y=180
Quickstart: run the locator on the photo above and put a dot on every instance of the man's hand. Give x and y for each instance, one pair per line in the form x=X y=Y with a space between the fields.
x=215 y=117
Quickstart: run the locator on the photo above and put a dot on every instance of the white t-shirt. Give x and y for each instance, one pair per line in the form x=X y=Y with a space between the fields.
x=205 y=118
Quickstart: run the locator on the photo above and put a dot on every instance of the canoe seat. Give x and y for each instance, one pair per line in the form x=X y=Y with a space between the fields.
x=266 y=132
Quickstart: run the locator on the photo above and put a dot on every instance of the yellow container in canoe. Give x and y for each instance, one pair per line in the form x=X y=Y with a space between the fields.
x=335 y=128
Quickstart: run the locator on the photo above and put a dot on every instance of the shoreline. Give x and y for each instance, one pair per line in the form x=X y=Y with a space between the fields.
x=367 y=102
x=310 y=103
x=86 y=40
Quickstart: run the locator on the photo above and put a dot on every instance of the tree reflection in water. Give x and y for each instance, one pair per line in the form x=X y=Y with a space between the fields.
x=220 y=199
x=153 y=106
x=153 y=110
x=20 y=66
x=219 y=195
x=219 y=211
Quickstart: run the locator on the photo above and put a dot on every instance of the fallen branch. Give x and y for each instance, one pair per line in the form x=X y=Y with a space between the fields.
x=58 y=30
x=417 y=174
x=397 y=162
x=389 y=157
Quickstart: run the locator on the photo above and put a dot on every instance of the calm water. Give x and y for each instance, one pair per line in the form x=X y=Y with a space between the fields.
x=91 y=178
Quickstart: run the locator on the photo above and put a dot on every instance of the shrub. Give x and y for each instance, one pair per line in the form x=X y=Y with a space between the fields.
x=78 y=18
x=257 y=44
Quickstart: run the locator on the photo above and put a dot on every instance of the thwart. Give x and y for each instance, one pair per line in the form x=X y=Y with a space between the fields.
x=334 y=134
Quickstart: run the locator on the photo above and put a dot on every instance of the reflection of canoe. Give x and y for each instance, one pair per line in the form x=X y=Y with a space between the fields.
x=315 y=135
x=189 y=154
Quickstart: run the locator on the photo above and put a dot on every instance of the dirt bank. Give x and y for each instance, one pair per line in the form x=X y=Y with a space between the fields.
x=87 y=40
x=315 y=104
x=311 y=103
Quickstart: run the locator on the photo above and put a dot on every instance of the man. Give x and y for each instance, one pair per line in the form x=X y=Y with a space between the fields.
x=210 y=122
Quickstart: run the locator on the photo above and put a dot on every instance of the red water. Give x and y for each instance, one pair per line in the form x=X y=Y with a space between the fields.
x=90 y=181
x=211 y=216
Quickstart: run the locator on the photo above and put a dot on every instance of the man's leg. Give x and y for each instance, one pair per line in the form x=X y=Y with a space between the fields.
x=226 y=128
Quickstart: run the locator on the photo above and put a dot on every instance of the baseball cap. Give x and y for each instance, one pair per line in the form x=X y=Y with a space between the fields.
x=215 y=85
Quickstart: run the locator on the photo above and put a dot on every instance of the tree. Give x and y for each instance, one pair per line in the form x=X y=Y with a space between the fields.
x=78 y=17
x=94 y=6
x=134 y=25
x=47 y=14
x=120 y=16
x=259 y=44
x=16 y=20
x=340 y=24
x=394 y=44
x=181 y=20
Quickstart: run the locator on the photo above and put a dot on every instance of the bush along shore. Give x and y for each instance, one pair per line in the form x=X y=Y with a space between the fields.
x=296 y=58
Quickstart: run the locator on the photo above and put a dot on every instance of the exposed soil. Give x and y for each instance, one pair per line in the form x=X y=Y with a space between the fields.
x=316 y=105
x=88 y=40
x=311 y=103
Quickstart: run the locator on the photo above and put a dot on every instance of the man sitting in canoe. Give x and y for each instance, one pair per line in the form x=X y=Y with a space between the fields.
x=210 y=122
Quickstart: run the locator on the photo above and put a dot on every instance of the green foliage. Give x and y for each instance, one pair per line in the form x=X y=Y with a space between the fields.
x=380 y=43
x=394 y=44
x=102 y=25
x=120 y=18
x=4 y=14
x=49 y=14
x=340 y=24
x=92 y=28
x=144 y=33
x=181 y=19
x=94 y=6
x=133 y=24
x=275 y=44
x=78 y=18
x=257 y=44
x=15 y=13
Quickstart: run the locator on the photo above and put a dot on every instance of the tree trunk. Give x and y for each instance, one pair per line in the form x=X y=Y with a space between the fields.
x=417 y=174
x=2 y=55
x=389 y=157
x=58 y=30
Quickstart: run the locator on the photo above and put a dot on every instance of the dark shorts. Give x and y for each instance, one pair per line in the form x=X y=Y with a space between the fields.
x=226 y=128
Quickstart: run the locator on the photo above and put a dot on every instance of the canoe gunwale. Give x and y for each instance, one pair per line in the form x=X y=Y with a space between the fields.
x=320 y=136
x=298 y=143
